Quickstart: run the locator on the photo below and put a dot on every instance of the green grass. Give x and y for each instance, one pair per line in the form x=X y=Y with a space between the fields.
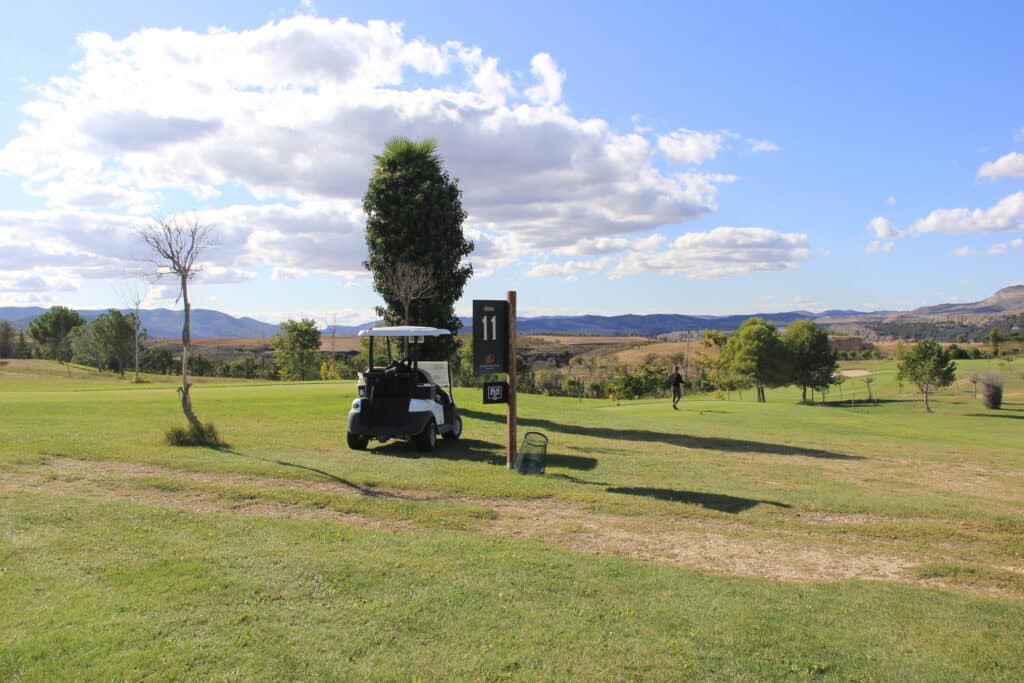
x=290 y=556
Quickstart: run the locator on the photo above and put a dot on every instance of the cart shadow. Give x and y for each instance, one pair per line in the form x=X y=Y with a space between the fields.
x=711 y=501
x=472 y=450
x=714 y=443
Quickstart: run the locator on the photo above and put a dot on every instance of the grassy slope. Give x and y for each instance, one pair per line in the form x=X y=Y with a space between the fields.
x=120 y=589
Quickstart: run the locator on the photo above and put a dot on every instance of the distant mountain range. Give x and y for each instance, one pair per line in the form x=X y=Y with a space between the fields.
x=164 y=323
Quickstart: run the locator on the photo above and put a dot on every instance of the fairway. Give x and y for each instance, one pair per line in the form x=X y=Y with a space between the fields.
x=728 y=540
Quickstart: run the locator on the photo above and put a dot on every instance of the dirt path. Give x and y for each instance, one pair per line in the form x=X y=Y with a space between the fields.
x=707 y=544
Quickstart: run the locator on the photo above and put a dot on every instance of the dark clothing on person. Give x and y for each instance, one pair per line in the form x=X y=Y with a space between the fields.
x=675 y=380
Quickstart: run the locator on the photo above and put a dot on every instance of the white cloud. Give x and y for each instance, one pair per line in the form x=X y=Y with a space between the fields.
x=595 y=245
x=884 y=229
x=1005 y=216
x=721 y=252
x=1008 y=166
x=1018 y=135
x=762 y=145
x=690 y=146
x=569 y=270
x=1003 y=247
x=639 y=124
x=548 y=90
x=878 y=247
x=292 y=113
x=891 y=200
x=964 y=251
x=288 y=273
x=66 y=246
x=219 y=275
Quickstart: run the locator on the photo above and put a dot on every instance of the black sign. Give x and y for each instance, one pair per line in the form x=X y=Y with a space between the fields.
x=490 y=337
x=495 y=392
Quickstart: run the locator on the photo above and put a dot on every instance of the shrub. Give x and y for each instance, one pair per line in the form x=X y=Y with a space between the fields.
x=992 y=390
x=204 y=435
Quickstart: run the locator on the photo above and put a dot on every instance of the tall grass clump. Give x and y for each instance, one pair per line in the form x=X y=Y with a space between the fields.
x=992 y=390
x=195 y=435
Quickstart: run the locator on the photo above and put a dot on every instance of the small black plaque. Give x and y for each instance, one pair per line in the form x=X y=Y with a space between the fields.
x=495 y=392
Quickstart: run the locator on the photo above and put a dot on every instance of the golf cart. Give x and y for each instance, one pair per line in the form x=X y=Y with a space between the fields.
x=406 y=399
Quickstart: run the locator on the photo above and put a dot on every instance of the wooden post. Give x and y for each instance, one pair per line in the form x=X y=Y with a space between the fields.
x=511 y=451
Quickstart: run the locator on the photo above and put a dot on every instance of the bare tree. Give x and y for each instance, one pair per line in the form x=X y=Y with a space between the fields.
x=134 y=294
x=408 y=282
x=176 y=244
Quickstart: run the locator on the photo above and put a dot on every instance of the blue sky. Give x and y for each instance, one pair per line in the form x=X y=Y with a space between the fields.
x=648 y=157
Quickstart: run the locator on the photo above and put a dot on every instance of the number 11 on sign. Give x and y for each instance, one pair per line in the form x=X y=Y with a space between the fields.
x=494 y=328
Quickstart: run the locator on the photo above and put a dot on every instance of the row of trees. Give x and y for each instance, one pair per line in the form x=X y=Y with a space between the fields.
x=13 y=343
x=111 y=341
x=114 y=340
x=758 y=356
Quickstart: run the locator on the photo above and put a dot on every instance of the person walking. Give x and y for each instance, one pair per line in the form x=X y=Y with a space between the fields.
x=675 y=380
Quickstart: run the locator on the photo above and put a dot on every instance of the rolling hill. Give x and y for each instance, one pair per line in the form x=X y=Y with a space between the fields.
x=164 y=323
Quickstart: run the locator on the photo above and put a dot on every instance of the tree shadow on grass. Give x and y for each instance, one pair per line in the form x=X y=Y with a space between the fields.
x=711 y=501
x=858 y=403
x=475 y=450
x=683 y=440
x=1000 y=414
x=363 y=490
x=575 y=480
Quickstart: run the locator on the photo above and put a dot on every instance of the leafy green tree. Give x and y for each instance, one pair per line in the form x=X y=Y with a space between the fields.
x=711 y=363
x=244 y=368
x=6 y=339
x=51 y=329
x=115 y=335
x=21 y=348
x=811 y=358
x=85 y=347
x=993 y=340
x=328 y=369
x=414 y=215
x=927 y=366
x=297 y=350
x=648 y=379
x=756 y=353
x=200 y=366
x=159 y=360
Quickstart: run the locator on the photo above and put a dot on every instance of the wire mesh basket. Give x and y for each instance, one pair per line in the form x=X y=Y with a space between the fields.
x=533 y=454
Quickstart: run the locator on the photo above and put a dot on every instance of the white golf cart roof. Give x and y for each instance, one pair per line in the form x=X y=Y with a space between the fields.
x=404 y=331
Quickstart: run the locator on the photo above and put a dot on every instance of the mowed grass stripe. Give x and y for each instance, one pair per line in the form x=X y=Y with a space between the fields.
x=116 y=590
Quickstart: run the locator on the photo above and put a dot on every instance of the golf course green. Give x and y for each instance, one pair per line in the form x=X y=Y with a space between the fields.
x=854 y=540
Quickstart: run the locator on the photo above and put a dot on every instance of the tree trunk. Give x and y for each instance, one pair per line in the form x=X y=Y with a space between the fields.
x=803 y=395
x=137 y=325
x=186 y=346
x=926 y=406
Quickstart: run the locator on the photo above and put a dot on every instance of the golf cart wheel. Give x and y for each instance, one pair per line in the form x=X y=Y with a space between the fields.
x=357 y=442
x=427 y=439
x=456 y=430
